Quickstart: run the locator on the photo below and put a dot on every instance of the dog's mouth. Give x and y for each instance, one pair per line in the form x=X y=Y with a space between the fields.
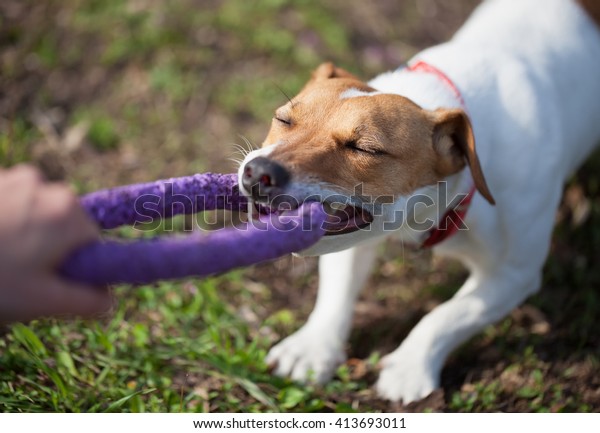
x=341 y=219
x=346 y=219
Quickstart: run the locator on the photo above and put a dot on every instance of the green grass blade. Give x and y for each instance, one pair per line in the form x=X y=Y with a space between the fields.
x=29 y=340
x=120 y=402
x=255 y=391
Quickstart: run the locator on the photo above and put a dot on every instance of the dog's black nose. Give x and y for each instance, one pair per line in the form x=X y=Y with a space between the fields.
x=264 y=178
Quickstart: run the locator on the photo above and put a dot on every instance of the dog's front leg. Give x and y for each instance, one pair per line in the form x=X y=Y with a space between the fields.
x=314 y=352
x=413 y=370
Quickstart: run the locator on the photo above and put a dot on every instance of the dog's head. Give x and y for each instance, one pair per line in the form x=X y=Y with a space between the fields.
x=341 y=138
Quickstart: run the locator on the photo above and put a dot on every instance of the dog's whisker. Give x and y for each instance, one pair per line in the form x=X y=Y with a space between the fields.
x=285 y=94
x=238 y=160
x=240 y=149
x=249 y=145
x=403 y=250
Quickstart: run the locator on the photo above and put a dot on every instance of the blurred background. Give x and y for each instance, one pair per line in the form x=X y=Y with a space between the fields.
x=106 y=92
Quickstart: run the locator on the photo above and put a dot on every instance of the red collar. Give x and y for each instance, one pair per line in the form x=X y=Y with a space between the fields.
x=452 y=220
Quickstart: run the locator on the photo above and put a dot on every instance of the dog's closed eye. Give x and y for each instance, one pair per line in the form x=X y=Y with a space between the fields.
x=356 y=146
x=283 y=120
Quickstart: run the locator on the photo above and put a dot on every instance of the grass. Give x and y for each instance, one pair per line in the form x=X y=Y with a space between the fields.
x=167 y=348
x=108 y=92
x=15 y=141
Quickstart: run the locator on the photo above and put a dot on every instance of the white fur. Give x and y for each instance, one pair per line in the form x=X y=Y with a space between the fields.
x=355 y=93
x=528 y=71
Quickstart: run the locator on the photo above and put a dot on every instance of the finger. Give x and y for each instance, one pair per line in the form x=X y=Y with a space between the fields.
x=83 y=229
x=66 y=225
x=88 y=229
x=18 y=189
x=24 y=173
x=54 y=297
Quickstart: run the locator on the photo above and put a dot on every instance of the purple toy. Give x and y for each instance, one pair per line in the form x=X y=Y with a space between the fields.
x=144 y=261
x=130 y=204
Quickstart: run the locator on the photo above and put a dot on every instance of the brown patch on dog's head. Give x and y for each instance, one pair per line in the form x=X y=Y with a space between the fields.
x=340 y=131
x=592 y=7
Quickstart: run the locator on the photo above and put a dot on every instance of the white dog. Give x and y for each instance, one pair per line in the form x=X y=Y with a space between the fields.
x=512 y=101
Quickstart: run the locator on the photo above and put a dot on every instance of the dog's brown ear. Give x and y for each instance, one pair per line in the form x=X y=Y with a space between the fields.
x=454 y=144
x=328 y=70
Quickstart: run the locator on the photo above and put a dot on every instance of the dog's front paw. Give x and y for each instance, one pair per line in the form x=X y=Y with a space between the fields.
x=406 y=378
x=309 y=355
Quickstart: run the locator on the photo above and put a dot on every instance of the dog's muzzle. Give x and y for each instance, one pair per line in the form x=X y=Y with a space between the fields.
x=266 y=181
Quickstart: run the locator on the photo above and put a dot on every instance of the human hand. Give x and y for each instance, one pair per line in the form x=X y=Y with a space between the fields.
x=40 y=225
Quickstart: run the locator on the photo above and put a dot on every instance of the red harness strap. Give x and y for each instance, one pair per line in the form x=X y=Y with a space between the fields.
x=452 y=220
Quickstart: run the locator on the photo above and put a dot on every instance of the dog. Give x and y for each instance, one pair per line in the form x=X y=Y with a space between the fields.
x=483 y=130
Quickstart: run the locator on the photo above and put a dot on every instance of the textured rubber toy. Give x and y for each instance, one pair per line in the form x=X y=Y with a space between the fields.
x=126 y=205
x=199 y=254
